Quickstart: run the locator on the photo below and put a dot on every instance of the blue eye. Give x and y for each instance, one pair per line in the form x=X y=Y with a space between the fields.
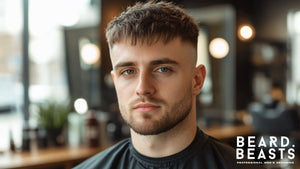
x=127 y=72
x=163 y=69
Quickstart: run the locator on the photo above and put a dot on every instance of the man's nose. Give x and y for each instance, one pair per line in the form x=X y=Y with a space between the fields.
x=145 y=84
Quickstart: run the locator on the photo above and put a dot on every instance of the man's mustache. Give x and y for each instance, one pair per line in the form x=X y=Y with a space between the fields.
x=147 y=99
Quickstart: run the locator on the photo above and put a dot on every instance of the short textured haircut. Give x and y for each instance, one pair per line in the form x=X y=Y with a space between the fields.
x=150 y=22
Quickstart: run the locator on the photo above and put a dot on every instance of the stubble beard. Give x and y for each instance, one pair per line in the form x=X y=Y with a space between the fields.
x=168 y=120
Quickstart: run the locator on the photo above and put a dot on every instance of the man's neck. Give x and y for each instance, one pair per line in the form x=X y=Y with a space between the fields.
x=167 y=143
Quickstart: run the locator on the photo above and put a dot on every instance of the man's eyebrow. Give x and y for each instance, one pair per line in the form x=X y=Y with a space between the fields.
x=123 y=64
x=154 y=62
x=163 y=61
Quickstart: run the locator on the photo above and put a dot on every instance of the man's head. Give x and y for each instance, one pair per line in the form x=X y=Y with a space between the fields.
x=153 y=53
x=151 y=22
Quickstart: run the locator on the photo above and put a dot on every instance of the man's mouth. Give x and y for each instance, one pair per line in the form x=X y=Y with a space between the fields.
x=146 y=107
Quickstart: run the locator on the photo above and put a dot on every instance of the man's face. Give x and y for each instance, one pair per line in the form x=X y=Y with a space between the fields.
x=154 y=84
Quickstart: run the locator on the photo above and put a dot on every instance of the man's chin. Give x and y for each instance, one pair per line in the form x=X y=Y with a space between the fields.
x=150 y=129
x=146 y=132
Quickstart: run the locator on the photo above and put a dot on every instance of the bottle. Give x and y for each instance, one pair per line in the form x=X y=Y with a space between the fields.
x=91 y=130
x=42 y=141
x=26 y=138
x=11 y=142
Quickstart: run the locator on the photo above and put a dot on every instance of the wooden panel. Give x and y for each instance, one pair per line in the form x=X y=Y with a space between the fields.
x=64 y=157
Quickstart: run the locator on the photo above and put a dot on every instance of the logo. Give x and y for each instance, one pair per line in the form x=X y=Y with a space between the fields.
x=264 y=150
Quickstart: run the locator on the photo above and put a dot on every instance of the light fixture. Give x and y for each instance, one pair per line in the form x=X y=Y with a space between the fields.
x=81 y=106
x=90 y=53
x=218 y=48
x=246 y=32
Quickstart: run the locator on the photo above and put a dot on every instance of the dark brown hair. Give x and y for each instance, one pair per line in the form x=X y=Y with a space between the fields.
x=147 y=23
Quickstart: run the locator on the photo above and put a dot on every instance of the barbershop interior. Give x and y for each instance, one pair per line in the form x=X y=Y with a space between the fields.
x=58 y=104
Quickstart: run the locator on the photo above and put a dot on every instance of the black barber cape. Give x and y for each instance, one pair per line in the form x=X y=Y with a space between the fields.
x=204 y=152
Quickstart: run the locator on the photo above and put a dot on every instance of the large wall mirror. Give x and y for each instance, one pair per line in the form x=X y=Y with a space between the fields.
x=216 y=50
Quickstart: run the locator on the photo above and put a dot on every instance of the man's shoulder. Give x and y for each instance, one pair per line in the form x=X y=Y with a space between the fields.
x=220 y=146
x=106 y=158
x=115 y=150
x=210 y=144
x=218 y=150
x=224 y=154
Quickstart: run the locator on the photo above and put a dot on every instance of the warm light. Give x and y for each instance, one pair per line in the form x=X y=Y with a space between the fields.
x=246 y=32
x=218 y=48
x=80 y=106
x=90 y=53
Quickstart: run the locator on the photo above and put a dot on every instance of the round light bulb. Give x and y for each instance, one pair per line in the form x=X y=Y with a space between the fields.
x=218 y=48
x=90 y=53
x=246 y=32
x=81 y=106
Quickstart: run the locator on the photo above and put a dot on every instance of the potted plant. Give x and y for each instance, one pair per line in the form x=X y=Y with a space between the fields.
x=52 y=119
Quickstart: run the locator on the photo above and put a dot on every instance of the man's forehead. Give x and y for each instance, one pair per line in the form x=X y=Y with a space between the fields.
x=138 y=54
x=124 y=50
x=124 y=46
x=145 y=41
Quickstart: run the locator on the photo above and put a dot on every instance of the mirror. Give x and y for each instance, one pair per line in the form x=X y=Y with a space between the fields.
x=217 y=99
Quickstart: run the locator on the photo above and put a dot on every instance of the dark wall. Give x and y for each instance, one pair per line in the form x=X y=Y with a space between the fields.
x=270 y=18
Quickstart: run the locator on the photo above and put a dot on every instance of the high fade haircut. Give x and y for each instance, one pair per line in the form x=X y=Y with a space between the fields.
x=150 y=22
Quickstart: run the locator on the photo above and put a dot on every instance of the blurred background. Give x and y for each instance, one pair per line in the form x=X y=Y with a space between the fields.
x=56 y=92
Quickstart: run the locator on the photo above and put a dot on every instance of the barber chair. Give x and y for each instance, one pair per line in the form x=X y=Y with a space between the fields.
x=271 y=118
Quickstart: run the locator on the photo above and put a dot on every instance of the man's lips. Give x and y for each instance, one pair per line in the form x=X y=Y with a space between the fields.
x=146 y=107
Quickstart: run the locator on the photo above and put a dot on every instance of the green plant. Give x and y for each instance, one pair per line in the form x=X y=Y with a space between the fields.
x=52 y=115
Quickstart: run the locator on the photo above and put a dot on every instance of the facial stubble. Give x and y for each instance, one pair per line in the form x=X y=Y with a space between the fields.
x=168 y=120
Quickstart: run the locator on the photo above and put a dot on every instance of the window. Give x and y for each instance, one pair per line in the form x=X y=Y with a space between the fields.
x=47 y=60
x=293 y=84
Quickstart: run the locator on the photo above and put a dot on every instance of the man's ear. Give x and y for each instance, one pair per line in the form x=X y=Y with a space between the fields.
x=199 y=77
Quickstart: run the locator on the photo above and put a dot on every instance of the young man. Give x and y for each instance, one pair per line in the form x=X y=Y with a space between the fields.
x=153 y=48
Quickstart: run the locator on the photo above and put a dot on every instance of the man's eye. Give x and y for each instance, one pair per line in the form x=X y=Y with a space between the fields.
x=163 y=69
x=127 y=72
